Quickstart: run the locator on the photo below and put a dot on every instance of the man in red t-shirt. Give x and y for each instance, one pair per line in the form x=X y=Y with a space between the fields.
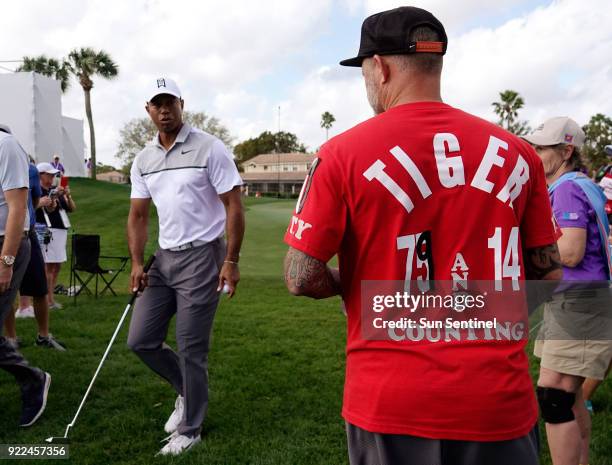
x=423 y=191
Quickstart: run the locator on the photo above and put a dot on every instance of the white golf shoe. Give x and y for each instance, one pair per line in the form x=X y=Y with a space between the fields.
x=178 y=443
x=175 y=418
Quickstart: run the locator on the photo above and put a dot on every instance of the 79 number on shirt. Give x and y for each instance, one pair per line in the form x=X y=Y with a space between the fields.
x=418 y=245
x=420 y=267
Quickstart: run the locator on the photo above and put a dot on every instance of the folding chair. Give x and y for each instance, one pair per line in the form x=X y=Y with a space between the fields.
x=85 y=265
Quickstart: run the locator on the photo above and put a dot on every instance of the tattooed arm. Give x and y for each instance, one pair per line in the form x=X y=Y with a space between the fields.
x=307 y=276
x=543 y=272
x=543 y=263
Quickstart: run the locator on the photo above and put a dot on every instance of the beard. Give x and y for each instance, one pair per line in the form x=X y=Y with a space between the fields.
x=372 y=92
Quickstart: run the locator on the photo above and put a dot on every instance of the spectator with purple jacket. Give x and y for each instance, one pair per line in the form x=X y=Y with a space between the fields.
x=57 y=165
x=577 y=332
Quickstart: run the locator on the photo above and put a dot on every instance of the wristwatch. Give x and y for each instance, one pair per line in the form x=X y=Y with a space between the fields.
x=7 y=260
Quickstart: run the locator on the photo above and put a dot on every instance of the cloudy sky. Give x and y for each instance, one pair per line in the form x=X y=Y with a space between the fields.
x=239 y=60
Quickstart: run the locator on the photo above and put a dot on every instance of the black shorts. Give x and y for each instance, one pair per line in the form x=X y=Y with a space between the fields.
x=34 y=283
x=367 y=448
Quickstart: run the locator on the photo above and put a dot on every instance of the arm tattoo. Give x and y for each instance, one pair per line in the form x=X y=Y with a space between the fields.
x=305 y=275
x=542 y=262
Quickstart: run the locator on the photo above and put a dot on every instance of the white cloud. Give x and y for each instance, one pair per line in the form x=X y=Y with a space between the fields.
x=335 y=90
x=341 y=92
x=247 y=114
x=556 y=57
x=452 y=13
x=535 y=55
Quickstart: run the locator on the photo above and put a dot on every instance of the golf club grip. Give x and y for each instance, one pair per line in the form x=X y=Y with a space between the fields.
x=146 y=269
x=149 y=263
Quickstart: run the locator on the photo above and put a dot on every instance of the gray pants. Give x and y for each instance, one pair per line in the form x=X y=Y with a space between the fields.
x=366 y=448
x=10 y=359
x=182 y=283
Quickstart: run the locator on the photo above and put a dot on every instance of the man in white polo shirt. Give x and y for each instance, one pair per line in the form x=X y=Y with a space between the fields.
x=195 y=186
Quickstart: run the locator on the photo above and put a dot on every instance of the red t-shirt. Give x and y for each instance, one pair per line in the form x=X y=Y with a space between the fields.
x=428 y=167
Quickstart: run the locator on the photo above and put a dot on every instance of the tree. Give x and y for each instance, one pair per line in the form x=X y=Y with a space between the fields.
x=507 y=110
x=50 y=67
x=327 y=120
x=268 y=142
x=137 y=132
x=84 y=63
x=598 y=134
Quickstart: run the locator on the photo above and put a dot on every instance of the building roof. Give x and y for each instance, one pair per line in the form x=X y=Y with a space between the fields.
x=274 y=158
x=285 y=176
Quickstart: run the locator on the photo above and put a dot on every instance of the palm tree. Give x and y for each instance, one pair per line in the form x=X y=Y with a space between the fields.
x=85 y=63
x=50 y=67
x=327 y=120
x=507 y=110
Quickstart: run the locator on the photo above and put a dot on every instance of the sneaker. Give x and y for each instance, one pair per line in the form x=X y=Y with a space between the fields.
x=14 y=342
x=50 y=342
x=27 y=312
x=179 y=443
x=55 y=306
x=176 y=417
x=73 y=290
x=34 y=400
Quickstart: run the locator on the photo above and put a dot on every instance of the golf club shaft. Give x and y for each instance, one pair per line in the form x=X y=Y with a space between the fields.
x=108 y=348
x=93 y=380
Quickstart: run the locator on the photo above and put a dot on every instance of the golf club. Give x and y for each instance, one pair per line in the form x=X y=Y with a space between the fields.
x=64 y=439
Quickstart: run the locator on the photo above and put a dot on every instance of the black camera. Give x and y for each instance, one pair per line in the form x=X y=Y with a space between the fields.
x=47 y=236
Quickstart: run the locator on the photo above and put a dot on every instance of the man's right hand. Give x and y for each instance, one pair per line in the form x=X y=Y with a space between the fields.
x=138 y=278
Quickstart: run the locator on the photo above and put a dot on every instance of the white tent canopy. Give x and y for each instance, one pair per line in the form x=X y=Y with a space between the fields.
x=73 y=147
x=32 y=107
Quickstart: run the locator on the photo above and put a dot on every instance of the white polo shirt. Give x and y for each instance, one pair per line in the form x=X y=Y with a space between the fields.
x=185 y=183
x=14 y=174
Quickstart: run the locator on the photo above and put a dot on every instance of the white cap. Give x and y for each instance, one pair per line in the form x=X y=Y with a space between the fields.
x=558 y=130
x=45 y=167
x=164 y=86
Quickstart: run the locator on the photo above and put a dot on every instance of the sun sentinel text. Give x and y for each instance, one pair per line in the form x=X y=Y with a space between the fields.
x=448 y=304
x=423 y=310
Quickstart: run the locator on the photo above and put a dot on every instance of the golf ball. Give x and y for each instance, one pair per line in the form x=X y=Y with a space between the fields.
x=226 y=289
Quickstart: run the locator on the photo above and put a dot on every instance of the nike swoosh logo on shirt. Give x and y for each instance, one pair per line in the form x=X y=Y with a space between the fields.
x=186 y=151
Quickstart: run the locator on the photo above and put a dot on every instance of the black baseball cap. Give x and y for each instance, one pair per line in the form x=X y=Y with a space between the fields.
x=388 y=33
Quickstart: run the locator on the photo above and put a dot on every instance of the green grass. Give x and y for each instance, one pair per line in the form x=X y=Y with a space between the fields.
x=276 y=364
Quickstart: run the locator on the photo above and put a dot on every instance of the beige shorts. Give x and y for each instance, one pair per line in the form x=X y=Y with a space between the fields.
x=574 y=339
x=588 y=359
